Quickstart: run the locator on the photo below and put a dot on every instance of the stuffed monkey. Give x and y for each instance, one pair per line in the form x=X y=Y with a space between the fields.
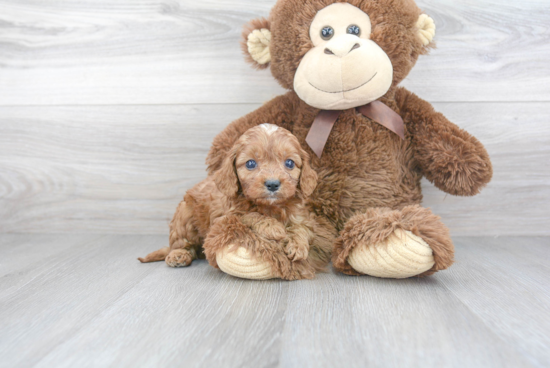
x=370 y=140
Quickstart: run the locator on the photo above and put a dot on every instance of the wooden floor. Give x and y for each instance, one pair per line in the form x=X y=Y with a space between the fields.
x=84 y=300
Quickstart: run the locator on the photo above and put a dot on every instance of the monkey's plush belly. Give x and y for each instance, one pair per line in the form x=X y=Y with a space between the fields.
x=355 y=193
x=377 y=248
x=364 y=165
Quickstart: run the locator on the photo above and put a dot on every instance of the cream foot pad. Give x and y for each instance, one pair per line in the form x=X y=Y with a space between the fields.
x=400 y=256
x=240 y=264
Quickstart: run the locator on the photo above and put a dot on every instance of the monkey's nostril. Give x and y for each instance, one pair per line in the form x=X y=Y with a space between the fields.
x=356 y=46
x=272 y=185
x=328 y=52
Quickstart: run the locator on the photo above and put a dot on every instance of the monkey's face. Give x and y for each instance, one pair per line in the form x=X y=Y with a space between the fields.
x=345 y=68
x=339 y=54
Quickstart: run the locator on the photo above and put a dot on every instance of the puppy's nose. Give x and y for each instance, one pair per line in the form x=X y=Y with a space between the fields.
x=272 y=185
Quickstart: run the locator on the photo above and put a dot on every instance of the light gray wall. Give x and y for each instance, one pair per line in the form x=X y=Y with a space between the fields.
x=108 y=108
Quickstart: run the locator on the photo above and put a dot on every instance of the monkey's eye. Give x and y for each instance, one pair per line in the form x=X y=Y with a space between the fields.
x=290 y=164
x=327 y=33
x=354 y=30
x=251 y=164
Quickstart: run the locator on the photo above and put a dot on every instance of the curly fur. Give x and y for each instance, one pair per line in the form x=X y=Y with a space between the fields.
x=233 y=208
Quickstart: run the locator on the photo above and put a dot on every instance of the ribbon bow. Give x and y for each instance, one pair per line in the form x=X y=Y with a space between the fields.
x=322 y=125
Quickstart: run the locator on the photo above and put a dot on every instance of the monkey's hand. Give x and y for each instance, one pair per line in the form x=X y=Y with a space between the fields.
x=451 y=158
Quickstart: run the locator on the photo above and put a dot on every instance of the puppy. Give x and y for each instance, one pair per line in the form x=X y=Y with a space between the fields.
x=256 y=200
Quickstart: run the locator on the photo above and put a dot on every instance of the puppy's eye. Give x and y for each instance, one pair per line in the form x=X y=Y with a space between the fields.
x=251 y=164
x=290 y=164
x=327 y=33
x=354 y=30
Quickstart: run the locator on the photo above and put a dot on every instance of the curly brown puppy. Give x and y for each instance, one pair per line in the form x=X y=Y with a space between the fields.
x=255 y=201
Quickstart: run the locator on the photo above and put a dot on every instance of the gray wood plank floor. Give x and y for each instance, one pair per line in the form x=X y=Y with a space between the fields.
x=85 y=301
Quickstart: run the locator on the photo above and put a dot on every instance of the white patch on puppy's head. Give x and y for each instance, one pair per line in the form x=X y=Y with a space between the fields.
x=269 y=128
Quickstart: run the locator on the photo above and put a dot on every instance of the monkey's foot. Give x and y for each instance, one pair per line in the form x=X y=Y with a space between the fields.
x=401 y=255
x=390 y=243
x=240 y=263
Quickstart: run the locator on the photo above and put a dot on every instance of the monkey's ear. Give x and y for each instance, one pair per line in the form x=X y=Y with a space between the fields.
x=426 y=29
x=255 y=42
x=226 y=176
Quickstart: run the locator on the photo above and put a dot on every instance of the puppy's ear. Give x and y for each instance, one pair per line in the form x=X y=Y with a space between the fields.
x=226 y=176
x=308 y=176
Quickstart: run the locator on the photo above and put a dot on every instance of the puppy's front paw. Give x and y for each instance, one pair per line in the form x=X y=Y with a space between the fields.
x=179 y=258
x=296 y=252
x=269 y=229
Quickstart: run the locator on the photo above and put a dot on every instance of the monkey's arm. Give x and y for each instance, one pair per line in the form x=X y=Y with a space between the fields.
x=451 y=158
x=277 y=111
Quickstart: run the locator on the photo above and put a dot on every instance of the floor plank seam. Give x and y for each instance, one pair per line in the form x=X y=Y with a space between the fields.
x=105 y=308
x=527 y=357
x=11 y=293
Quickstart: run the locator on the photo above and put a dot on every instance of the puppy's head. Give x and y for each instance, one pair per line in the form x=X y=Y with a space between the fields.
x=267 y=165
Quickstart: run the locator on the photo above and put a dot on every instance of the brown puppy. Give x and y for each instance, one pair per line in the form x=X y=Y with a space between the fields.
x=256 y=200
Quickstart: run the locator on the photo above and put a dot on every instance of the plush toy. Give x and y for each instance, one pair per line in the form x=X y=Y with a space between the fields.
x=370 y=140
